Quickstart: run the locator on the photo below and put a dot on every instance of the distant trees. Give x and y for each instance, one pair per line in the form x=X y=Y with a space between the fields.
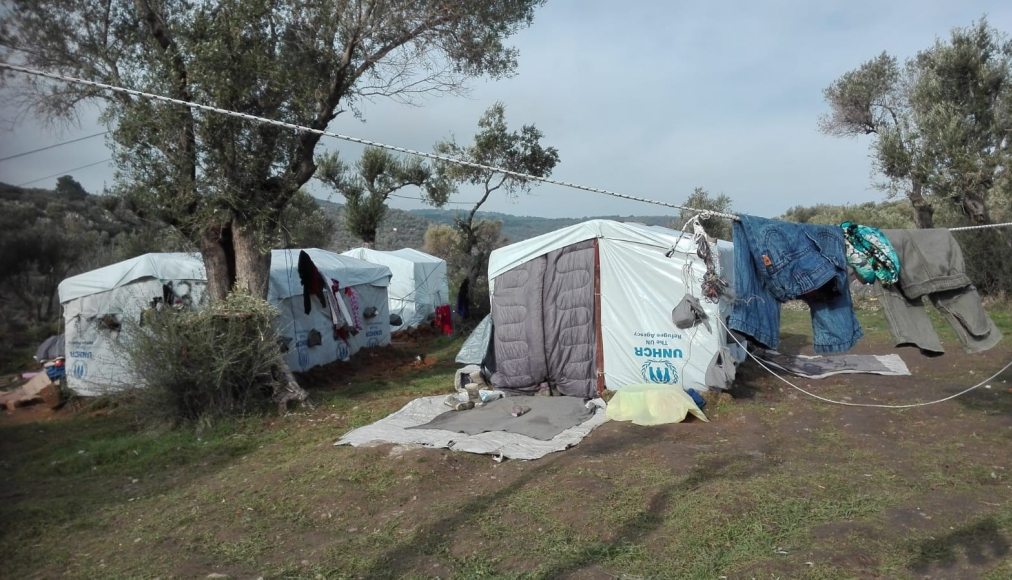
x=69 y=187
x=886 y=215
x=305 y=224
x=494 y=145
x=941 y=122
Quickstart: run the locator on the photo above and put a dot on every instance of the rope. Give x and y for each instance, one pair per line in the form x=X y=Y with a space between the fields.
x=848 y=404
x=367 y=142
x=982 y=227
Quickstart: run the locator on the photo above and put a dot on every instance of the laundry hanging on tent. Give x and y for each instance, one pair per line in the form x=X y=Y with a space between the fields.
x=354 y=309
x=340 y=313
x=313 y=283
x=932 y=266
x=345 y=312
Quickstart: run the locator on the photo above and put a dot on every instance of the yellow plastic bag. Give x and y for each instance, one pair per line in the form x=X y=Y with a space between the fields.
x=648 y=404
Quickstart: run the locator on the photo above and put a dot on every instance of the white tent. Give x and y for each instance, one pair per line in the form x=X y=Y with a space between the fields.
x=590 y=306
x=97 y=303
x=418 y=285
x=368 y=281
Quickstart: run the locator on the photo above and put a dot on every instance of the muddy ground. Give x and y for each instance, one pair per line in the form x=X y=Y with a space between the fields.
x=776 y=485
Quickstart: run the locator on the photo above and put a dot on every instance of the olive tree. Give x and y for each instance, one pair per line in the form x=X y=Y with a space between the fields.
x=494 y=145
x=224 y=180
x=940 y=122
x=367 y=186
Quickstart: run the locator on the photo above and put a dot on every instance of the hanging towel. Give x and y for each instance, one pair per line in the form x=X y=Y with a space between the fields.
x=342 y=307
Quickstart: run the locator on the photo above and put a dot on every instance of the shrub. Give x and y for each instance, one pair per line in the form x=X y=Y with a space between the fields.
x=199 y=364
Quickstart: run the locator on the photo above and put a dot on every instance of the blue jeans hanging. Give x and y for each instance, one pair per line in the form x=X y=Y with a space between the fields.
x=776 y=261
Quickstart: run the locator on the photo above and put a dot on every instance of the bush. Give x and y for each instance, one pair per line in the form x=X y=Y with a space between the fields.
x=199 y=364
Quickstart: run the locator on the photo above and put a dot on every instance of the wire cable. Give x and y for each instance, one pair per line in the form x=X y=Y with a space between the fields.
x=370 y=143
x=65 y=172
x=53 y=146
x=367 y=142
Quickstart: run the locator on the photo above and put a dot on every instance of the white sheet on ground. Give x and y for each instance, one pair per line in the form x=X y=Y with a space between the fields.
x=394 y=429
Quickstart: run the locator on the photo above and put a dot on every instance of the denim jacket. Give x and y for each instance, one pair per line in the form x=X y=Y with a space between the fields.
x=776 y=261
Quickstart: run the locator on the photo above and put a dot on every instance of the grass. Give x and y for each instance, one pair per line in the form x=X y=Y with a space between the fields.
x=773 y=487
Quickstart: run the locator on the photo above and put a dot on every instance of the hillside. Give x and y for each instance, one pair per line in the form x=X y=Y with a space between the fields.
x=399 y=229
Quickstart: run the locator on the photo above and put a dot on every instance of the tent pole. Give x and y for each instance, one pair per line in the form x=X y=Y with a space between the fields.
x=599 y=334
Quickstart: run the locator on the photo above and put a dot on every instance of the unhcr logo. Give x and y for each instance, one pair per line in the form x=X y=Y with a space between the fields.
x=659 y=371
x=79 y=370
x=657 y=352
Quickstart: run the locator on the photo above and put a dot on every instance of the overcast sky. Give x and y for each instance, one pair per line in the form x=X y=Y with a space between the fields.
x=647 y=98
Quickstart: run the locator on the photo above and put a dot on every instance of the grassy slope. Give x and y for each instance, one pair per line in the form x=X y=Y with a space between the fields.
x=774 y=486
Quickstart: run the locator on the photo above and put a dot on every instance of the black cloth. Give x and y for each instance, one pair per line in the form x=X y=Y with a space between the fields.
x=312 y=282
x=464 y=299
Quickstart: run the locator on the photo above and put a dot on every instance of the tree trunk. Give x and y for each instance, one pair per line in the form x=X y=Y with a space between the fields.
x=474 y=269
x=219 y=261
x=232 y=258
x=923 y=212
x=974 y=207
x=369 y=239
x=51 y=298
x=252 y=264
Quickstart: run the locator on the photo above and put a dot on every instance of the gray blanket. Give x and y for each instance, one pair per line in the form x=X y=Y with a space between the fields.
x=818 y=367
x=548 y=417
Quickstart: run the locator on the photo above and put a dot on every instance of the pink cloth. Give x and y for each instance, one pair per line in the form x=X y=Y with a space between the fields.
x=355 y=307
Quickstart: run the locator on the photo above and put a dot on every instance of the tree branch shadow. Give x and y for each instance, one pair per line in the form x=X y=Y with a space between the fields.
x=432 y=538
x=981 y=542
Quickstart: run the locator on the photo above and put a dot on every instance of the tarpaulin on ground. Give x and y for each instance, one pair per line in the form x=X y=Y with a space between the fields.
x=395 y=429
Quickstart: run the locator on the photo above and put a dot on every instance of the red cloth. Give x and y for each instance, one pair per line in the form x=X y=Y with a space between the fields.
x=444 y=319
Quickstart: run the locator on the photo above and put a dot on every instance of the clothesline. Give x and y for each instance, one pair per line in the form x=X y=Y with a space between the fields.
x=982 y=383
x=980 y=227
x=405 y=150
x=367 y=142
